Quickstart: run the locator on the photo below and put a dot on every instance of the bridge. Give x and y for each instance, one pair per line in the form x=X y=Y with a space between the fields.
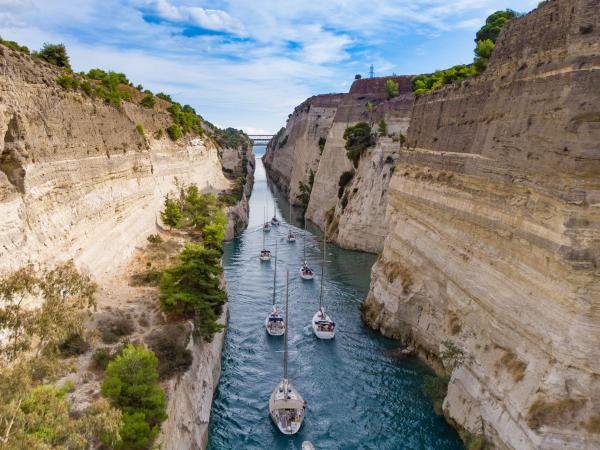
x=260 y=139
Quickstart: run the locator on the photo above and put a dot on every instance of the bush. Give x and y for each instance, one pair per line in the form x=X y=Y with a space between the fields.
x=158 y=134
x=15 y=46
x=87 y=87
x=493 y=25
x=154 y=239
x=74 y=345
x=358 y=139
x=172 y=215
x=169 y=344
x=140 y=128
x=322 y=142
x=345 y=178
x=192 y=289
x=186 y=119
x=174 y=131
x=382 y=128
x=101 y=357
x=358 y=76
x=483 y=52
x=148 y=101
x=148 y=278
x=67 y=82
x=112 y=329
x=305 y=190
x=391 y=88
x=436 y=388
x=54 y=54
x=164 y=97
x=131 y=384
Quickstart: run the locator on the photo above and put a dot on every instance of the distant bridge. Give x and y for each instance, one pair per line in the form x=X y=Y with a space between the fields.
x=260 y=139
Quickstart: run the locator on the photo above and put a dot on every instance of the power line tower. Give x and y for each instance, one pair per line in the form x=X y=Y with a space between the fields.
x=371 y=71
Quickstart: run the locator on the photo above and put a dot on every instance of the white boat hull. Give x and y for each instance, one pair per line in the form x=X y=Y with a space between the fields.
x=280 y=408
x=273 y=331
x=305 y=276
x=317 y=329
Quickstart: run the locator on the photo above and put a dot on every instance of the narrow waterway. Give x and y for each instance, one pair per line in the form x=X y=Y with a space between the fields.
x=358 y=396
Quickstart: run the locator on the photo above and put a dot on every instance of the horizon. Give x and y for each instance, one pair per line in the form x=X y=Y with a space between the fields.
x=248 y=67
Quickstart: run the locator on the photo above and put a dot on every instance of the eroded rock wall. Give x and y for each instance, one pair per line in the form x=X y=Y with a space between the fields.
x=492 y=263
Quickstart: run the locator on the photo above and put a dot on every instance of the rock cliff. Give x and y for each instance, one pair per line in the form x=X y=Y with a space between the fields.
x=492 y=263
x=296 y=152
x=85 y=180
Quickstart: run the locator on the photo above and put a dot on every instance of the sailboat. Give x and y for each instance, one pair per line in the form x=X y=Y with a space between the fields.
x=290 y=236
x=322 y=325
x=265 y=255
x=274 y=219
x=286 y=405
x=274 y=322
x=306 y=273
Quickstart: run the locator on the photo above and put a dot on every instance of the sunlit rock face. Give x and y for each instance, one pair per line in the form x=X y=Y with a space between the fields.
x=77 y=179
x=494 y=241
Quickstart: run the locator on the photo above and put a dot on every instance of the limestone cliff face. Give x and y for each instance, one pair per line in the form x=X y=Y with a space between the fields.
x=77 y=179
x=328 y=117
x=295 y=151
x=492 y=263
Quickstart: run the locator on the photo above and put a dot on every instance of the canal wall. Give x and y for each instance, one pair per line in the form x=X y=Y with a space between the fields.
x=490 y=266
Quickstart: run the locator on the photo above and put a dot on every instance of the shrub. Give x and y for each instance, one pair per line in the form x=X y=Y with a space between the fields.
x=174 y=131
x=345 y=178
x=113 y=328
x=493 y=25
x=172 y=215
x=101 y=357
x=358 y=139
x=148 y=101
x=54 y=54
x=169 y=345
x=131 y=384
x=148 y=278
x=305 y=190
x=382 y=128
x=483 y=52
x=154 y=239
x=391 y=88
x=74 y=345
x=436 y=388
x=15 y=46
x=164 y=96
x=192 y=289
x=139 y=128
x=67 y=82
x=358 y=76
x=472 y=441
x=87 y=87
x=158 y=133
x=322 y=142
x=186 y=119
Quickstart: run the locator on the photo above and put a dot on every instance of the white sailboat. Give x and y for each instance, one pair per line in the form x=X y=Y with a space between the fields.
x=290 y=236
x=265 y=255
x=322 y=325
x=306 y=273
x=274 y=322
x=286 y=405
x=267 y=224
x=274 y=220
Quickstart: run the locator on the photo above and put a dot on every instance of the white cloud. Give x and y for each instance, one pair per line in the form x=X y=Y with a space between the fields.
x=210 y=19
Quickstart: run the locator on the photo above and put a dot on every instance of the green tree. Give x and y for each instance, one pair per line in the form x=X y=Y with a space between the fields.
x=391 y=88
x=174 y=131
x=192 y=289
x=148 y=101
x=172 y=215
x=483 y=52
x=493 y=25
x=358 y=139
x=358 y=76
x=131 y=384
x=54 y=54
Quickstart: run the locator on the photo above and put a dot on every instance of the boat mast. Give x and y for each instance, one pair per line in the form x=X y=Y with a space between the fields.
x=275 y=273
x=323 y=269
x=285 y=342
x=304 y=240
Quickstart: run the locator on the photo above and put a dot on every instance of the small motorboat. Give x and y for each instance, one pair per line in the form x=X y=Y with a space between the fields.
x=286 y=405
x=306 y=273
x=290 y=236
x=265 y=254
x=274 y=220
x=307 y=445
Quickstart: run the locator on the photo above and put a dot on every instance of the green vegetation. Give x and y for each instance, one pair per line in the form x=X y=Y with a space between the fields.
x=54 y=54
x=15 y=46
x=382 y=128
x=235 y=194
x=322 y=142
x=114 y=328
x=305 y=189
x=131 y=385
x=174 y=131
x=485 y=40
x=358 y=139
x=231 y=138
x=186 y=119
x=436 y=388
x=358 y=76
x=391 y=88
x=68 y=82
x=148 y=101
x=154 y=239
x=169 y=344
x=172 y=215
x=139 y=128
x=472 y=441
x=192 y=289
x=164 y=97
x=345 y=178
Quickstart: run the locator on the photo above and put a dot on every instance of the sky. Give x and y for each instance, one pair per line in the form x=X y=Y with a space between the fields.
x=248 y=63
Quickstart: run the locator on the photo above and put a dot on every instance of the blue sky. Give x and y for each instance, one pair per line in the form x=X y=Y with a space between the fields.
x=248 y=63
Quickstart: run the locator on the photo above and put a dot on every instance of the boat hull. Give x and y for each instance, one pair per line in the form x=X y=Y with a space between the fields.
x=271 y=331
x=287 y=414
x=321 y=334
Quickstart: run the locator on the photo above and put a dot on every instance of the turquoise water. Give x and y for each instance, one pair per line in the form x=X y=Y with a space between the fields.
x=358 y=397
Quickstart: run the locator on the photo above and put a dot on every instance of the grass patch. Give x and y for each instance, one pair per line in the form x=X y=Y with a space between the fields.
x=554 y=413
x=513 y=364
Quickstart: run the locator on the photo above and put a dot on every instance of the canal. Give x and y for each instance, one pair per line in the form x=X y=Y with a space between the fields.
x=359 y=397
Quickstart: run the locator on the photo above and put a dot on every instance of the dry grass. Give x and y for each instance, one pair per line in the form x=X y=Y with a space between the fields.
x=453 y=323
x=558 y=412
x=513 y=364
x=593 y=426
x=393 y=269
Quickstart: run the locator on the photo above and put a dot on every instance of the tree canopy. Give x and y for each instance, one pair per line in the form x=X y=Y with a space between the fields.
x=493 y=25
x=54 y=54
